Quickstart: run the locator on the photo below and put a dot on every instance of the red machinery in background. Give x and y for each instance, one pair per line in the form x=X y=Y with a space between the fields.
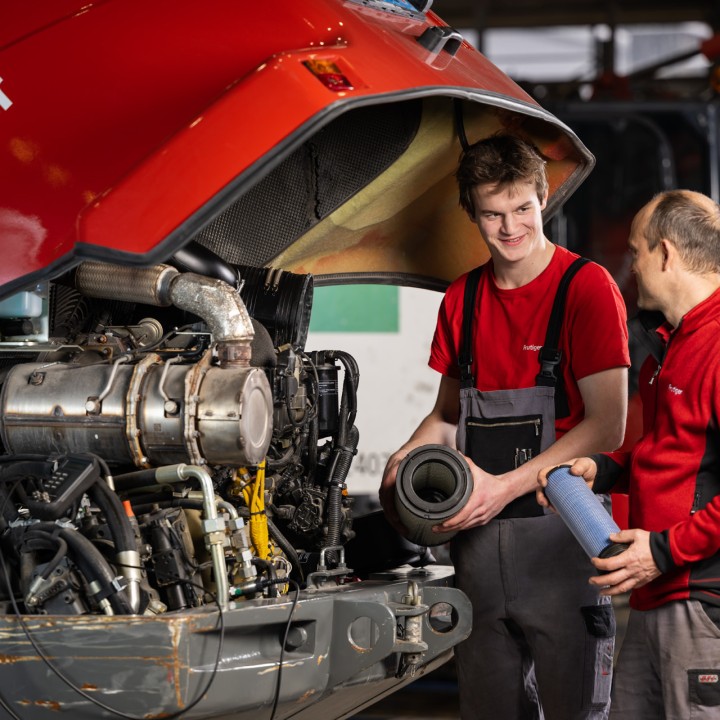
x=176 y=534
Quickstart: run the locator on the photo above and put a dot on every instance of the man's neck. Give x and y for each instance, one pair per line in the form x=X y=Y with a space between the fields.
x=688 y=295
x=511 y=275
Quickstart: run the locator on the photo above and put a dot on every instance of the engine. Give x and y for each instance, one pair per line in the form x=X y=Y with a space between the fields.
x=170 y=443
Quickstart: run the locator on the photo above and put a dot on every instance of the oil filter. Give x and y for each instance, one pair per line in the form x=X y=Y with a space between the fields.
x=433 y=483
x=583 y=513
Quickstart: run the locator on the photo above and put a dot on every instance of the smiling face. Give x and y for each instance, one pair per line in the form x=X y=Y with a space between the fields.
x=510 y=220
x=646 y=263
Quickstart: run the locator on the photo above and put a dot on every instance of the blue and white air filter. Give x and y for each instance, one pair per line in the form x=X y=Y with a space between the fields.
x=583 y=513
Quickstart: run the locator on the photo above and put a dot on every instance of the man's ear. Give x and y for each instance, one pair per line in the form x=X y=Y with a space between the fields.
x=543 y=201
x=670 y=257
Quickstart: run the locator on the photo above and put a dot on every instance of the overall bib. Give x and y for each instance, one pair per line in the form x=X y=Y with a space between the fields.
x=542 y=640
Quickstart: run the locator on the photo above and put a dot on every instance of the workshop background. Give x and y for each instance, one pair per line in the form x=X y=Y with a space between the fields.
x=638 y=81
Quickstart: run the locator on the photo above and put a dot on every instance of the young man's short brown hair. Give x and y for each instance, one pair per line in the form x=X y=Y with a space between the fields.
x=500 y=160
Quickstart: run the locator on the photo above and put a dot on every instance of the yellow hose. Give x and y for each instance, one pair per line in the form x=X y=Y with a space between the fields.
x=254 y=495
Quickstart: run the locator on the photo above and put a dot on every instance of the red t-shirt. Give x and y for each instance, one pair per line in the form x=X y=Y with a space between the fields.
x=510 y=326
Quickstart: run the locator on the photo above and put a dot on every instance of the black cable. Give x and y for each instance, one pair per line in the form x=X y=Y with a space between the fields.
x=460 y=124
x=68 y=682
x=95 y=701
x=10 y=711
x=221 y=621
x=276 y=699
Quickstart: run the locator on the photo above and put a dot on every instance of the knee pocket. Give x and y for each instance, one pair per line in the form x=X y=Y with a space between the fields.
x=704 y=692
x=599 y=620
x=599 y=649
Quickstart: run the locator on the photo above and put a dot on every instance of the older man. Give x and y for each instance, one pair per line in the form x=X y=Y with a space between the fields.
x=669 y=665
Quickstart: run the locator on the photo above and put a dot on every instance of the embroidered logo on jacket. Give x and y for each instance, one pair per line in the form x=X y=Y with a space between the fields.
x=675 y=390
x=708 y=678
x=532 y=348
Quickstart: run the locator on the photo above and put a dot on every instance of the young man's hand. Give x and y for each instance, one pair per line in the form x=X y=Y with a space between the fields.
x=584 y=467
x=489 y=496
x=387 y=490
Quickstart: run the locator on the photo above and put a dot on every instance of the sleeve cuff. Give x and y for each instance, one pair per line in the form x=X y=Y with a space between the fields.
x=608 y=472
x=660 y=549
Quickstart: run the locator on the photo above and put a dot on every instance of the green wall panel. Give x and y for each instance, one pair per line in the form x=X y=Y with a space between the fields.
x=356 y=308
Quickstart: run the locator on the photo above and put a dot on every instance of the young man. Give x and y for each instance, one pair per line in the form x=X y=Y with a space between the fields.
x=669 y=665
x=542 y=641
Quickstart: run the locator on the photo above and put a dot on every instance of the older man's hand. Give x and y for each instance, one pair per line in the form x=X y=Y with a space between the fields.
x=630 y=569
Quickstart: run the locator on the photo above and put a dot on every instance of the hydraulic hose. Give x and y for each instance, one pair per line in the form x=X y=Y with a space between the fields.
x=126 y=552
x=282 y=542
x=96 y=570
x=111 y=506
x=342 y=464
x=345 y=445
x=40 y=540
x=269 y=569
x=135 y=480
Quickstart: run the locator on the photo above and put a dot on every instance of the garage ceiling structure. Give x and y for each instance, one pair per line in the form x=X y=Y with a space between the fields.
x=484 y=14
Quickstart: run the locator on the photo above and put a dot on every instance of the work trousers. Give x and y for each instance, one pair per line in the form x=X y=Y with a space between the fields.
x=669 y=665
x=542 y=640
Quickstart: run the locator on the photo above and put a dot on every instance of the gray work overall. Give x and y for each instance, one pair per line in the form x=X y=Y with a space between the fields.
x=542 y=640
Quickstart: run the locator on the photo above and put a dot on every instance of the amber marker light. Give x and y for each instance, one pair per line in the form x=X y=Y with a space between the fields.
x=329 y=74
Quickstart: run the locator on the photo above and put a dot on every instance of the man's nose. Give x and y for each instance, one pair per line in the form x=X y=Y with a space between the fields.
x=508 y=224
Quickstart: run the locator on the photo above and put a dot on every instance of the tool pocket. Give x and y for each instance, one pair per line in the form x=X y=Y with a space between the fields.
x=704 y=693
x=599 y=648
x=498 y=445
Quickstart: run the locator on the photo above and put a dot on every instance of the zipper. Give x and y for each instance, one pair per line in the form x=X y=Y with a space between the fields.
x=664 y=353
x=508 y=423
x=655 y=374
x=696 y=503
x=659 y=368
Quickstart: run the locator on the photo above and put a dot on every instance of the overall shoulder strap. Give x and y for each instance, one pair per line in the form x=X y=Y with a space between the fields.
x=465 y=358
x=550 y=354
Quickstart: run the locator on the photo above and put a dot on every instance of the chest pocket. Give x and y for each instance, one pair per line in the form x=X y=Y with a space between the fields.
x=504 y=443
